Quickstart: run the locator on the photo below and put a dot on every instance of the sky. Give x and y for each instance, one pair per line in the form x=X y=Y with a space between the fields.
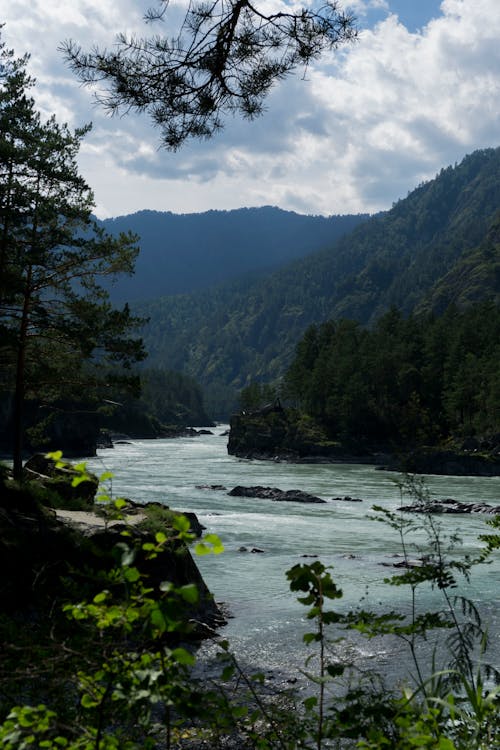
x=371 y=121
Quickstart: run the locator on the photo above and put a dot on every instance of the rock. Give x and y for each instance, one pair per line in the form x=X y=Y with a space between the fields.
x=347 y=499
x=408 y=564
x=243 y=549
x=104 y=440
x=273 y=493
x=38 y=550
x=205 y=432
x=449 y=505
x=257 y=549
x=43 y=470
x=196 y=528
x=176 y=432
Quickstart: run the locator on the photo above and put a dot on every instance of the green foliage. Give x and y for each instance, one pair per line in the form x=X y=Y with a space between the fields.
x=407 y=381
x=167 y=399
x=256 y=395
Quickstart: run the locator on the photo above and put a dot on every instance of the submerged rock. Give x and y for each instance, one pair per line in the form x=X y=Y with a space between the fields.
x=215 y=487
x=347 y=499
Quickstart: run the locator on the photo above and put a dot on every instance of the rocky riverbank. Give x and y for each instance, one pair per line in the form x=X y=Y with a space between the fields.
x=51 y=532
x=278 y=434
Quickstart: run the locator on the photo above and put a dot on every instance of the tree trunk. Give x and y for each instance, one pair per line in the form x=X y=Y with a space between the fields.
x=17 y=454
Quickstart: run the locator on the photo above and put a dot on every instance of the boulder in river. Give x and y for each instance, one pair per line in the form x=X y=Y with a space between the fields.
x=273 y=493
x=448 y=505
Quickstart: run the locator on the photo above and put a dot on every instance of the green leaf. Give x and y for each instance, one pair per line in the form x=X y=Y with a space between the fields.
x=310 y=637
x=182 y=656
x=78 y=480
x=310 y=703
x=201 y=549
x=131 y=575
x=54 y=455
x=88 y=702
x=335 y=670
x=101 y=597
x=181 y=523
x=227 y=673
x=158 y=620
x=189 y=593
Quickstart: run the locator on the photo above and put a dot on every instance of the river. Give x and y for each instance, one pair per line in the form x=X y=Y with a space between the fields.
x=267 y=622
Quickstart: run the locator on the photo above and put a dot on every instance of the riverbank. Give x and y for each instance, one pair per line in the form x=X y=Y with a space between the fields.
x=281 y=435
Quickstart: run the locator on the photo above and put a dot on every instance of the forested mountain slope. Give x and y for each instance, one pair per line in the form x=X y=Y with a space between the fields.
x=411 y=257
x=182 y=253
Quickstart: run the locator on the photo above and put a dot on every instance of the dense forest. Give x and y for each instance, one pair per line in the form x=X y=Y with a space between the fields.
x=406 y=381
x=438 y=246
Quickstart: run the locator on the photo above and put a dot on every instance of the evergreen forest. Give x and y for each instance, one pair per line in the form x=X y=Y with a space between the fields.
x=406 y=381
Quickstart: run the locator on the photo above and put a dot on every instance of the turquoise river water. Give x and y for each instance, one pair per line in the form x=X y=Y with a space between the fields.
x=266 y=621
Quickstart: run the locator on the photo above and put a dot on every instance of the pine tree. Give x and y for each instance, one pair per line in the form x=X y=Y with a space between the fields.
x=59 y=332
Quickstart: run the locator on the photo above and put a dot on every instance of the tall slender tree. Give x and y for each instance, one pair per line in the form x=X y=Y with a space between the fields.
x=58 y=328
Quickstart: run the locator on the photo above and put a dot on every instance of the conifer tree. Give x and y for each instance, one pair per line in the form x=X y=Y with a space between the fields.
x=224 y=60
x=59 y=331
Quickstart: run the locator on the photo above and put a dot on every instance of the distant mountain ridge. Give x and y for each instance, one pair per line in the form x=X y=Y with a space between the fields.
x=183 y=253
x=416 y=256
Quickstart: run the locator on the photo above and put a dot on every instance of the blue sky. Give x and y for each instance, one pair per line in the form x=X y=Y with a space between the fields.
x=413 y=14
x=418 y=91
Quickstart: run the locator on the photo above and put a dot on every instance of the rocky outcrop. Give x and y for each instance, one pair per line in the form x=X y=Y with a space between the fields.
x=273 y=493
x=449 y=505
x=42 y=555
x=284 y=435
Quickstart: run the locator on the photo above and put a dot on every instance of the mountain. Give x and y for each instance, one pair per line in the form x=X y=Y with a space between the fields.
x=473 y=278
x=418 y=255
x=182 y=253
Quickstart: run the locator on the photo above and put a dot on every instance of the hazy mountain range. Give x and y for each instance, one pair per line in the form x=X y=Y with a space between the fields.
x=182 y=253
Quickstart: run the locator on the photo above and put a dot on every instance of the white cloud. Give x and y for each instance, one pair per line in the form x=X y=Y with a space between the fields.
x=368 y=125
